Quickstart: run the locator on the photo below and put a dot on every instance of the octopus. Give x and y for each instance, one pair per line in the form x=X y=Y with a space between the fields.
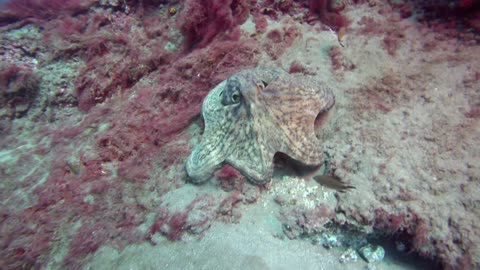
x=255 y=114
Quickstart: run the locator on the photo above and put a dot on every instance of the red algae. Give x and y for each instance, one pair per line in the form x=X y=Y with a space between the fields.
x=138 y=90
x=202 y=21
x=328 y=14
x=18 y=90
x=45 y=9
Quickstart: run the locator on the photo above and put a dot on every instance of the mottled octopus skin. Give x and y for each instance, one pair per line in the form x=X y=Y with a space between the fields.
x=253 y=115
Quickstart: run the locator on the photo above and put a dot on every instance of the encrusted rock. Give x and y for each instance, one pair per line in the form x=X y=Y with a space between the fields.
x=372 y=253
x=112 y=3
x=18 y=90
x=350 y=255
x=327 y=240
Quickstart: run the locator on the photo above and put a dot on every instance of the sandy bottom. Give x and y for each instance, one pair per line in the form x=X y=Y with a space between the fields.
x=253 y=243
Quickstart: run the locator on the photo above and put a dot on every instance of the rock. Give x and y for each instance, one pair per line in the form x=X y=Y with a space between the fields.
x=18 y=89
x=329 y=240
x=112 y=3
x=350 y=255
x=372 y=253
x=281 y=200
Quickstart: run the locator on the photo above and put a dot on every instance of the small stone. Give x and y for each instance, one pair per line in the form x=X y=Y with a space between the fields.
x=372 y=253
x=170 y=47
x=350 y=255
x=112 y=3
x=281 y=200
x=251 y=193
x=329 y=240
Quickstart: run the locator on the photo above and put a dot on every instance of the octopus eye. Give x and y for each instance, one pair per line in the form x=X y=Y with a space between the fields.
x=231 y=93
x=261 y=85
x=236 y=97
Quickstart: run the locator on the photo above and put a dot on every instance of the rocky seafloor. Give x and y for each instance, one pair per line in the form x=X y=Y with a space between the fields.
x=100 y=107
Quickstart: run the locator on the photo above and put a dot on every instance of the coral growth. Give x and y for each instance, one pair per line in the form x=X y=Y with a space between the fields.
x=328 y=14
x=172 y=226
x=202 y=21
x=18 y=89
x=339 y=61
x=230 y=179
x=302 y=222
x=44 y=9
x=117 y=56
x=138 y=92
x=279 y=40
x=296 y=67
x=459 y=19
x=393 y=37
x=196 y=218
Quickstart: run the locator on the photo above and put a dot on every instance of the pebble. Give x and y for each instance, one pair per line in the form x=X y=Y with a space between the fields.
x=350 y=255
x=329 y=240
x=372 y=253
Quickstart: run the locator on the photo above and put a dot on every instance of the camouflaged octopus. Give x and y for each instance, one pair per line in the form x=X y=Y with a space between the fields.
x=253 y=115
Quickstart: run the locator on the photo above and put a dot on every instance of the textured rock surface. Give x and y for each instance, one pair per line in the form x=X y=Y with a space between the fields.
x=107 y=183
